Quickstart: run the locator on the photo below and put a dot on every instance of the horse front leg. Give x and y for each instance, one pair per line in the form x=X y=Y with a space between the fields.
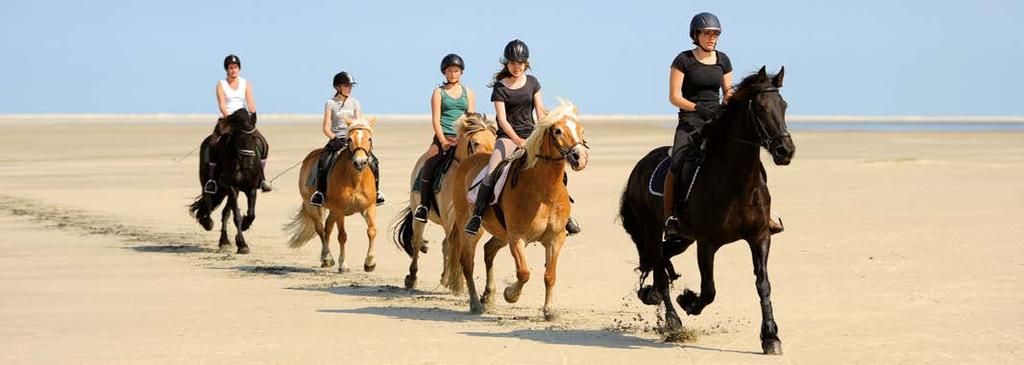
x=513 y=291
x=250 y=212
x=551 y=251
x=243 y=248
x=370 y=215
x=491 y=249
x=467 y=258
x=770 y=343
x=326 y=259
x=690 y=301
x=417 y=244
x=342 y=239
x=225 y=214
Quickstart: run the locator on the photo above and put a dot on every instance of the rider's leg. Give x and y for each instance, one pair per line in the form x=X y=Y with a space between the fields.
x=375 y=168
x=502 y=148
x=426 y=187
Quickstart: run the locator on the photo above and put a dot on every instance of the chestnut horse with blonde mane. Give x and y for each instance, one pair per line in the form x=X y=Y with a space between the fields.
x=351 y=190
x=535 y=206
x=476 y=135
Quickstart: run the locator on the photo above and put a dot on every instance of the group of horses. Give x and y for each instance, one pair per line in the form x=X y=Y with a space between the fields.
x=730 y=201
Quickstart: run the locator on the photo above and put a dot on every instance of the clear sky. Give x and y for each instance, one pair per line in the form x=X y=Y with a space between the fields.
x=869 y=57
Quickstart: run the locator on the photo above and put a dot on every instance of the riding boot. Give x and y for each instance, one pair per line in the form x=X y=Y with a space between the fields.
x=572 y=227
x=375 y=168
x=483 y=199
x=426 y=189
x=672 y=226
x=323 y=167
x=681 y=192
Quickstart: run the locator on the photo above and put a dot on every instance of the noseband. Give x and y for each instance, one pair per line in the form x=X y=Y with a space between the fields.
x=561 y=151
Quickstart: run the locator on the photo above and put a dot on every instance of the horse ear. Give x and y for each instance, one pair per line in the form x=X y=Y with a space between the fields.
x=575 y=109
x=762 y=75
x=373 y=121
x=348 y=122
x=777 y=80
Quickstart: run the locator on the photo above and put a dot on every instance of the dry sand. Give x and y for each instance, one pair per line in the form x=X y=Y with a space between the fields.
x=900 y=248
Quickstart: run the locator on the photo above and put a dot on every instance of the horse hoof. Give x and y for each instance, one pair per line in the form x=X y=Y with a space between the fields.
x=550 y=315
x=772 y=347
x=369 y=268
x=328 y=262
x=510 y=295
x=207 y=223
x=486 y=297
x=672 y=322
x=688 y=301
x=423 y=247
x=410 y=281
x=476 y=308
x=225 y=248
x=246 y=222
x=649 y=296
x=342 y=269
x=244 y=250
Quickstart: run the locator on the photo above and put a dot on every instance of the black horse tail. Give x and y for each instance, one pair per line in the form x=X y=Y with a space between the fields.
x=631 y=223
x=201 y=208
x=401 y=230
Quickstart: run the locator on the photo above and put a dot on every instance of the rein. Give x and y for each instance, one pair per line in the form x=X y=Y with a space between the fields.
x=561 y=151
x=765 y=139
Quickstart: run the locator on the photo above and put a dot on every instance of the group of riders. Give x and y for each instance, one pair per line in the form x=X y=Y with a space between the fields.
x=700 y=82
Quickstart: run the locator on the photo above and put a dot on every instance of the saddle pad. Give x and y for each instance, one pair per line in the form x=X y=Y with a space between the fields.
x=657 y=183
x=440 y=168
x=498 y=185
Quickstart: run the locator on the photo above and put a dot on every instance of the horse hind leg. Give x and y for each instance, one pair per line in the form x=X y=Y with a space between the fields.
x=326 y=259
x=770 y=343
x=225 y=243
x=491 y=249
x=243 y=248
x=342 y=239
x=370 y=216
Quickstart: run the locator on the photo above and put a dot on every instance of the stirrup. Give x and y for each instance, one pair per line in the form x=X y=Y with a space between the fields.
x=210 y=187
x=572 y=227
x=317 y=199
x=265 y=186
x=381 y=198
x=673 y=229
x=473 y=227
x=421 y=213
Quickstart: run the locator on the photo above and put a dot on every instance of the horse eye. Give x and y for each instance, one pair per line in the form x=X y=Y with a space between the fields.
x=558 y=131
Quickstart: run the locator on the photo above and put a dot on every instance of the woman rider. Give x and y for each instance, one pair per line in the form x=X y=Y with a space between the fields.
x=233 y=93
x=695 y=78
x=515 y=95
x=337 y=110
x=448 y=102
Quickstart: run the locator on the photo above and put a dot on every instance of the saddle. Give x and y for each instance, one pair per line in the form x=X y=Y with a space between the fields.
x=436 y=178
x=499 y=177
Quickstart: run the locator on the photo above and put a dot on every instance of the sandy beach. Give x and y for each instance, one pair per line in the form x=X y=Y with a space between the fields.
x=901 y=247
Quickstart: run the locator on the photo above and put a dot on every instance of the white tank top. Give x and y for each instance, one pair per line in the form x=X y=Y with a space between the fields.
x=233 y=99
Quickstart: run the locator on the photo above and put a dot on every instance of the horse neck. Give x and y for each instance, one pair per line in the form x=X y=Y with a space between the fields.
x=730 y=163
x=546 y=172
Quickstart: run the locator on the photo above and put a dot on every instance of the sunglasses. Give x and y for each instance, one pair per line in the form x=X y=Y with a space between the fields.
x=709 y=32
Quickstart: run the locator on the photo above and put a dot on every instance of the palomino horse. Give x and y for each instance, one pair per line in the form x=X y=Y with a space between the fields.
x=729 y=201
x=351 y=190
x=476 y=135
x=240 y=170
x=535 y=206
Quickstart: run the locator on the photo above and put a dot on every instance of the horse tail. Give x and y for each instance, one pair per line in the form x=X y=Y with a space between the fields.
x=632 y=225
x=304 y=225
x=452 y=277
x=203 y=206
x=401 y=229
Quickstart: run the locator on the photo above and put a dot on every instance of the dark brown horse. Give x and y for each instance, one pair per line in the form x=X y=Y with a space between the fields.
x=729 y=201
x=238 y=155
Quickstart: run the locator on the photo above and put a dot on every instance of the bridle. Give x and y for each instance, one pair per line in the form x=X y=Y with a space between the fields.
x=561 y=151
x=765 y=139
x=352 y=151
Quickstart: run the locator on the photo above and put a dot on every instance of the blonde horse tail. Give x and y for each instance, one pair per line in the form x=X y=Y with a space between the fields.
x=452 y=278
x=304 y=225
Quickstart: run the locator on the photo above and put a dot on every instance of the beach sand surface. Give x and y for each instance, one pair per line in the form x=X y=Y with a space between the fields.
x=900 y=247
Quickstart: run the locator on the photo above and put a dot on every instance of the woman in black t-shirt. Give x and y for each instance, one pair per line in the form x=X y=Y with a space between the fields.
x=695 y=78
x=516 y=98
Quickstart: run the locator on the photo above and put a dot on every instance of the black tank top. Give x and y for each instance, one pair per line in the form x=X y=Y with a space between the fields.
x=701 y=82
x=518 y=106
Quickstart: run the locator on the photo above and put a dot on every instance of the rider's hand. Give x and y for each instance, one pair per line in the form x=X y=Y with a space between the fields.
x=518 y=141
x=449 y=142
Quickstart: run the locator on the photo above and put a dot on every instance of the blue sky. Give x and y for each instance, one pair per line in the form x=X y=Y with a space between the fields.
x=868 y=57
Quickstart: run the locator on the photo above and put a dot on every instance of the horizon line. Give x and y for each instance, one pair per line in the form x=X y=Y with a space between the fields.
x=593 y=117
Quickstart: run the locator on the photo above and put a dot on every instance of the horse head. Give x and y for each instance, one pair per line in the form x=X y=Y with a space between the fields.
x=360 y=140
x=765 y=113
x=477 y=132
x=561 y=131
x=241 y=121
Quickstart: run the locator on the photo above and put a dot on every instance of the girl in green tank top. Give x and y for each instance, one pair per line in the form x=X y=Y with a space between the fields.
x=449 y=102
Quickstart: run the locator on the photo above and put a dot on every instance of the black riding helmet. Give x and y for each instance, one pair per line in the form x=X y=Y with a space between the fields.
x=344 y=78
x=232 y=59
x=701 y=22
x=516 y=50
x=452 y=60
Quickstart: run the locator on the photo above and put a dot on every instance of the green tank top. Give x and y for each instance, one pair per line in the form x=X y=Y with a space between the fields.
x=452 y=109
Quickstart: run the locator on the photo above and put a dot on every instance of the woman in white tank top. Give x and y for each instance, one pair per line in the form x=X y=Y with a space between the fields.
x=233 y=93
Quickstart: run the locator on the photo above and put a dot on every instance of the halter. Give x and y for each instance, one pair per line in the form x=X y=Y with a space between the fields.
x=561 y=151
x=765 y=139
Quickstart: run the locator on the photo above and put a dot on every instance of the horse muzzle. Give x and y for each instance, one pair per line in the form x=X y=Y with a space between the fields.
x=782 y=153
x=360 y=163
x=577 y=157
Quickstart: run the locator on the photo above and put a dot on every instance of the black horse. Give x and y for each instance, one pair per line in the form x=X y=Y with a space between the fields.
x=237 y=155
x=729 y=201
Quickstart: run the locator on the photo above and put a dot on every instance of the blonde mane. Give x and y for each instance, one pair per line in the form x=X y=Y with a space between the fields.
x=470 y=123
x=535 y=141
x=364 y=123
